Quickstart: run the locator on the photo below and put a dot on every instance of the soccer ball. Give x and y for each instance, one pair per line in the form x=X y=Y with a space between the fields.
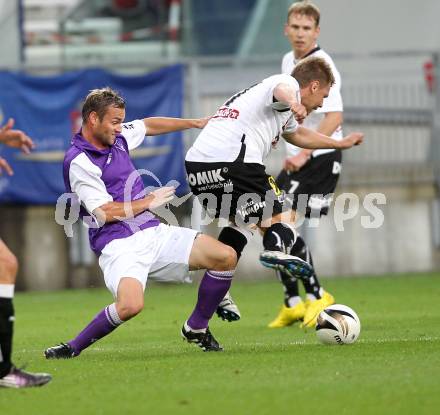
x=338 y=324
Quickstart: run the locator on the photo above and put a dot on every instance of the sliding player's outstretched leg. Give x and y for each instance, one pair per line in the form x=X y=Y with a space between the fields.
x=129 y=303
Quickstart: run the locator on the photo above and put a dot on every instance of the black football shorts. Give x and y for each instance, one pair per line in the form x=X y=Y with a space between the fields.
x=311 y=189
x=237 y=191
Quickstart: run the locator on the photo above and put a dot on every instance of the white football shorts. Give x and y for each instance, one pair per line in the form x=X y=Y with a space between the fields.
x=161 y=253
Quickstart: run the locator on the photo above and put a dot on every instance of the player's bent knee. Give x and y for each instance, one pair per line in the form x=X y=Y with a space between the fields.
x=228 y=259
x=129 y=310
x=235 y=237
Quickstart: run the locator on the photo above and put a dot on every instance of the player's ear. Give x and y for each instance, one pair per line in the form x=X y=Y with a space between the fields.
x=318 y=31
x=286 y=26
x=314 y=86
x=93 y=118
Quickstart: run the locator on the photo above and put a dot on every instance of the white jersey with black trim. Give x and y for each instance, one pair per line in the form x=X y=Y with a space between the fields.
x=333 y=103
x=252 y=114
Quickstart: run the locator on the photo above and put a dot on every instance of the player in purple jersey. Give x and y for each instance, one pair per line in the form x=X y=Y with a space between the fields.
x=11 y=376
x=128 y=238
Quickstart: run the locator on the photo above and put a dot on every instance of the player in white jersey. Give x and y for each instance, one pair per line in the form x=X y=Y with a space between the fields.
x=226 y=169
x=309 y=177
x=251 y=113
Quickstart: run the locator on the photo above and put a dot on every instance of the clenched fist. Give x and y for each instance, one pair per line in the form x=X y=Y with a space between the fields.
x=299 y=111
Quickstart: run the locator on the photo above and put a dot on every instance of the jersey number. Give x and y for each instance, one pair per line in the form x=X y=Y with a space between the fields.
x=293 y=186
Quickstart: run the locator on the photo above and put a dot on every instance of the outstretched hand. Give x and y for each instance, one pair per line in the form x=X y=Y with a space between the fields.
x=15 y=138
x=161 y=196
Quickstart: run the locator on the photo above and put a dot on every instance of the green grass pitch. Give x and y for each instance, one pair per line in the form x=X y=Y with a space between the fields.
x=145 y=368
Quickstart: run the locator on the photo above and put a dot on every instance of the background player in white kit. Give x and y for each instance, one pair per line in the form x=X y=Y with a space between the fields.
x=226 y=169
x=311 y=174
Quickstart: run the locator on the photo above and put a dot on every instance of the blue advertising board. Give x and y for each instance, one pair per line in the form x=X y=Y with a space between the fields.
x=48 y=109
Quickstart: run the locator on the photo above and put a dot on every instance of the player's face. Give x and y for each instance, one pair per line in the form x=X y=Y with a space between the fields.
x=105 y=130
x=315 y=96
x=302 y=32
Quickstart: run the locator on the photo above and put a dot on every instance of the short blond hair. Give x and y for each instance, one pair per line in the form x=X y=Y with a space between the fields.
x=313 y=69
x=99 y=100
x=305 y=8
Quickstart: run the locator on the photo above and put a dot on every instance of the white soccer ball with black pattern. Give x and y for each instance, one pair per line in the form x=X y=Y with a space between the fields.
x=338 y=324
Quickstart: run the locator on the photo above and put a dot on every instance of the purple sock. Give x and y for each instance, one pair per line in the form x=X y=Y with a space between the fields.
x=212 y=289
x=103 y=323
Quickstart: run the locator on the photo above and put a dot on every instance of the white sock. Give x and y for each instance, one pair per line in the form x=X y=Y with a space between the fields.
x=112 y=315
x=293 y=301
x=7 y=290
